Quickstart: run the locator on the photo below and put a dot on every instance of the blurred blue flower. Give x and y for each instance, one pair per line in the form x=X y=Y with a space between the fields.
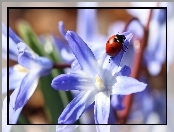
x=98 y=80
x=87 y=22
x=87 y=28
x=34 y=66
x=142 y=106
x=23 y=77
x=15 y=78
x=155 y=53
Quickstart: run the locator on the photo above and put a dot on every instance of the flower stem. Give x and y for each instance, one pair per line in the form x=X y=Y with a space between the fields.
x=61 y=66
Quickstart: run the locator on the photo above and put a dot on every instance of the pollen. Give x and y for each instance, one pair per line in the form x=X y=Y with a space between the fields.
x=99 y=83
x=20 y=68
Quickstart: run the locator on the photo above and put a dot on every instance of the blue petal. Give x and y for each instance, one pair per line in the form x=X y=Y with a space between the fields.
x=155 y=53
x=26 y=56
x=14 y=37
x=62 y=29
x=64 y=49
x=75 y=65
x=76 y=108
x=28 y=59
x=125 y=71
x=121 y=71
x=46 y=65
x=117 y=102
x=136 y=28
x=15 y=77
x=111 y=64
x=21 y=94
x=13 y=51
x=65 y=128
x=103 y=128
x=72 y=82
x=83 y=53
x=102 y=108
x=126 y=85
x=87 y=23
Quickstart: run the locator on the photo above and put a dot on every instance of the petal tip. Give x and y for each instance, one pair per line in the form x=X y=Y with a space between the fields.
x=69 y=32
x=60 y=23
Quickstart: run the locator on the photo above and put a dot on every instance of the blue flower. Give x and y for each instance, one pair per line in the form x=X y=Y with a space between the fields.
x=97 y=79
x=15 y=75
x=155 y=53
x=23 y=77
x=34 y=66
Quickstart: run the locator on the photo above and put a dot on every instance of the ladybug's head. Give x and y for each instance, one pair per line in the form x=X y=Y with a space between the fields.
x=121 y=38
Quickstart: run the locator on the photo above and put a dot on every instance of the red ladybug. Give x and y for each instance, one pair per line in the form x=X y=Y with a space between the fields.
x=115 y=44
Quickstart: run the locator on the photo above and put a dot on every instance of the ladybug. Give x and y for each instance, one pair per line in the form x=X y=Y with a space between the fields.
x=115 y=44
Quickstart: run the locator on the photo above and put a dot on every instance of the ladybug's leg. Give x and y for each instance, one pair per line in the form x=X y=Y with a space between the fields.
x=110 y=59
x=126 y=47
x=123 y=50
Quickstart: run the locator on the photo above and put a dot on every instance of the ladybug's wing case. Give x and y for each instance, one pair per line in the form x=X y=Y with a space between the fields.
x=113 y=48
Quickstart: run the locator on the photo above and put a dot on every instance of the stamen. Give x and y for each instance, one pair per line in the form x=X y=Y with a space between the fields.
x=99 y=83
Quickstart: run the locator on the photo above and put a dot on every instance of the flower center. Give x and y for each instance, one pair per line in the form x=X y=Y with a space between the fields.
x=20 y=68
x=99 y=83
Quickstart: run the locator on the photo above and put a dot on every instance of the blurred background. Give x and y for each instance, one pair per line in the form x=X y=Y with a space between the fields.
x=149 y=28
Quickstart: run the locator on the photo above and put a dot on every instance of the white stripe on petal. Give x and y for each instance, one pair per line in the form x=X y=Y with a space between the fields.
x=83 y=53
x=102 y=107
x=72 y=81
x=21 y=94
x=76 y=107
